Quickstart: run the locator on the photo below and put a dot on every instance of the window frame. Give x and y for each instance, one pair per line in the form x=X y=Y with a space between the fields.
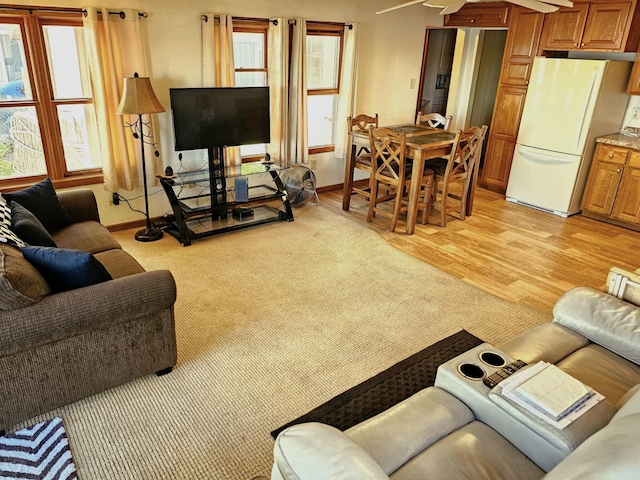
x=253 y=25
x=328 y=29
x=44 y=103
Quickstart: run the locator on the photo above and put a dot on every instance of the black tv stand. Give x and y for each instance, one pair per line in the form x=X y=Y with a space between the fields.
x=209 y=211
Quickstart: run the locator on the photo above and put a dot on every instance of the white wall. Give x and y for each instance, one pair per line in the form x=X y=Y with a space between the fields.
x=390 y=57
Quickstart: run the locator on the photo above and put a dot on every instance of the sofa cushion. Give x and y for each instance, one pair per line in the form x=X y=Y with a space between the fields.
x=414 y=424
x=473 y=451
x=89 y=236
x=20 y=283
x=611 y=453
x=119 y=263
x=604 y=371
x=41 y=200
x=28 y=227
x=6 y=234
x=65 y=269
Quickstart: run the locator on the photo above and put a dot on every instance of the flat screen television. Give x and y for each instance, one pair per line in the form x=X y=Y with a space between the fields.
x=219 y=117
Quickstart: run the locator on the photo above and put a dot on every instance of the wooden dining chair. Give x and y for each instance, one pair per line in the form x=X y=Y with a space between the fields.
x=391 y=178
x=434 y=120
x=458 y=167
x=362 y=161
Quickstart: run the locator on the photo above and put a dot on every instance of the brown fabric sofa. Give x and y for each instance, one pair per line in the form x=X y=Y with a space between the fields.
x=57 y=348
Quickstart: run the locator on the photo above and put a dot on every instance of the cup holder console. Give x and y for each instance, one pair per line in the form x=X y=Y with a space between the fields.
x=476 y=372
x=493 y=359
x=471 y=371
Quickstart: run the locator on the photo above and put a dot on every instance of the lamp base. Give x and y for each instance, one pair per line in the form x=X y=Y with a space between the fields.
x=148 y=235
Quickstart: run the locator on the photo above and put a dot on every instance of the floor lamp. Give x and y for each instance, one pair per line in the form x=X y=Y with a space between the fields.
x=137 y=99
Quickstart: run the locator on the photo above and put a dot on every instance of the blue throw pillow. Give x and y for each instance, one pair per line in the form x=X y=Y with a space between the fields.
x=28 y=227
x=41 y=200
x=66 y=269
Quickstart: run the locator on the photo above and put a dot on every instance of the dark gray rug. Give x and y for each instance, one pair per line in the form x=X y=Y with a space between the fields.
x=38 y=452
x=389 y=387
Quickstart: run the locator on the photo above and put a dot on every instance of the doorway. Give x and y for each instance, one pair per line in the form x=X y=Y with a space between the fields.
x=437 y=63
x=478 y=56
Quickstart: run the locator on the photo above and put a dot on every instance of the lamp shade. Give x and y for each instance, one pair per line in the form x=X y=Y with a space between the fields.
x=138 y=97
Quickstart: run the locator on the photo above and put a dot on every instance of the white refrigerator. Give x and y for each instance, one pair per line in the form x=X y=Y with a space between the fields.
x=569 y=103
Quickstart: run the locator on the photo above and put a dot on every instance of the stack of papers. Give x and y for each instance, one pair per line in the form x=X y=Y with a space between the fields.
x=550 y=393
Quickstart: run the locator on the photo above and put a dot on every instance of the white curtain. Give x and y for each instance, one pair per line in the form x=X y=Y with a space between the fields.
x=278 y=75
x=347 y=89
x=116 y=48
x=298 y=153
x=218 y=67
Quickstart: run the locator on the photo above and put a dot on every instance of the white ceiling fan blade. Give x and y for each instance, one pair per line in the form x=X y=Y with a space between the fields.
x=562 y=3
x=535 y=5
x=402 y=5
x=453 y=7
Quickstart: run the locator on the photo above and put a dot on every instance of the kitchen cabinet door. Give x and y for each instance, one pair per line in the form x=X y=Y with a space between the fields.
x=602 y=187
x=502 y=137
x=523 y=38
x=479 y=15
x=563 y=29
x=633 y=87
x=627 y=204
x=605 y=26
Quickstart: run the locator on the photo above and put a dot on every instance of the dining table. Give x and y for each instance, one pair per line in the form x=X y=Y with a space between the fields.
x=423 y=144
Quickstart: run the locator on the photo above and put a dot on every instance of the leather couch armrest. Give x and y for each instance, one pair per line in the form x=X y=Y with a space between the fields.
x=80 y=204
x=65 y=314
x=314 y=451
x=603 y=319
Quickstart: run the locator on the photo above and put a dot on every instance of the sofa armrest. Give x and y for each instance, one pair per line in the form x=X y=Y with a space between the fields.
x=81 y=204
x=603 y=319
x=314 y=451
x=70 y=313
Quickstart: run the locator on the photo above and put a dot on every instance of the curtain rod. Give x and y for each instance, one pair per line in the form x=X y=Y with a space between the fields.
x=205 y=18
x=65 y=10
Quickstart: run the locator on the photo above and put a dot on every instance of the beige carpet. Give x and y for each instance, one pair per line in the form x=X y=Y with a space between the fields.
x=271 y=322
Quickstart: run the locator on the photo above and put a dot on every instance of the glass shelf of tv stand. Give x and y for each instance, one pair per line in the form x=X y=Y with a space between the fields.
x=194 y=216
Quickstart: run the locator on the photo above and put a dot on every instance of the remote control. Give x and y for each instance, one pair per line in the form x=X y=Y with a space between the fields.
x=505 y=372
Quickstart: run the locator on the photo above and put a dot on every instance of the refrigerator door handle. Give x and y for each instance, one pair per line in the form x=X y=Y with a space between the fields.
x=585 y=106
x=542 y=158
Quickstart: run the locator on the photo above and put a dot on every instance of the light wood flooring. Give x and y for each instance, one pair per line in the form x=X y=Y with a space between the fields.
x=515 y=252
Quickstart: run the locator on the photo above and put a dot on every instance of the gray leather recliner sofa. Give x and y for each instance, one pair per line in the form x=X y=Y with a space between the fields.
x=462 y=429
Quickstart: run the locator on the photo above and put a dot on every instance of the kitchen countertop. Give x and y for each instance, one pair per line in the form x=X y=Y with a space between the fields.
x=621 y=140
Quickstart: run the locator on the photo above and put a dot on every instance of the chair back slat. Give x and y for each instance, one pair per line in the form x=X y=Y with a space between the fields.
x=388 y=153
x=434 y=120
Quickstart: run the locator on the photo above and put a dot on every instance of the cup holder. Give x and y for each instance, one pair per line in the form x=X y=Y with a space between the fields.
x=471 y=371
x=493 y=359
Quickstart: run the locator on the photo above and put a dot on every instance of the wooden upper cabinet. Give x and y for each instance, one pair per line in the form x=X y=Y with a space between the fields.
x=633 y=87
x=593 y=26
x=523 y=38
x=479 y=15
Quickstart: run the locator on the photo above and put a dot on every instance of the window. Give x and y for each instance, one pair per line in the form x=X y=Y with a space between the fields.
x=324 y=56
x=250 y=58
x=47 y=116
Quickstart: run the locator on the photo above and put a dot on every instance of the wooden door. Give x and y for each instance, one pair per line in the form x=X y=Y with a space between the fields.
x=502 y=139
x=521 y=47
x=605 y=26
x=627 y=204
x=602 y=187
x=563 y=29
x=479 y=15
x=633 y=87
